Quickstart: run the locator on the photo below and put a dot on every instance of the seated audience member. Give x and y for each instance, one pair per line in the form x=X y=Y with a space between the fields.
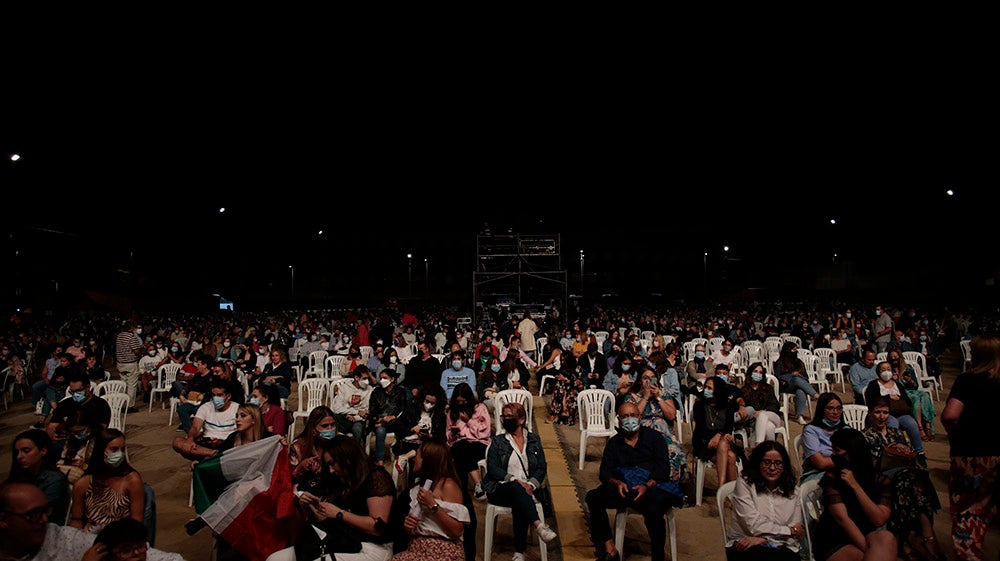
x=469 y=432
x=191 y=389
x=78 y=448
x=817 y=452
x=712 y=431
x=278 y=372
x=761 y=406
x=268 y=399
x=791 y=374
x=97 y=412
x=351 y=404
x=435 y=526
x=633 y=467
x=914 y=499
x=110 y=490
x=386 y=406
x=766 y=520
x=304 y=450
x=424 y=419
x=350 y=500
x=27 y=532
x=900 y=406
x=857 y=505
x=510 y=481
x=861 y=374
x=456 y=374
x=32 y=460
x=214 y=421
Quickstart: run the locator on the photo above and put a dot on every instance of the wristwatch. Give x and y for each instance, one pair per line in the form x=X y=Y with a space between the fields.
x=340 y=515
x=435 y=507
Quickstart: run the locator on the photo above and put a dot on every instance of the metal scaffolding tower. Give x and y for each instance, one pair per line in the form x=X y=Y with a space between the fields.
x=520 y=270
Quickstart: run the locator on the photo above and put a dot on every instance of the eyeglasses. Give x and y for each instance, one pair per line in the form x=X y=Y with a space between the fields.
x=833 y=408
x=34 y=516
x=776 y=464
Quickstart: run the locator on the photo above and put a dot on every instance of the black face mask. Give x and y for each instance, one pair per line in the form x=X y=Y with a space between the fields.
x=509 y=425
x=840 y=461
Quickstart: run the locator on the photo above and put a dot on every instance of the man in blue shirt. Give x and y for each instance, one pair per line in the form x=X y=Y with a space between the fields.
x=861 y=373
x=456 y=373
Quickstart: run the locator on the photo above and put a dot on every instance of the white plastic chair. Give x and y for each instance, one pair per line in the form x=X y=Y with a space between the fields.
x=854 y=415
x=166 y=375
x=966 y=346
x=720 y=501
x=714 y=344
x=926 y=382
x=316 y=366
x=119 y=403
x=504 y=397
x=811 y=497
x=110 y=386
x=312 y=394
x=596 y=410
x=621 y=518
x=826 y=363
x=332 y=365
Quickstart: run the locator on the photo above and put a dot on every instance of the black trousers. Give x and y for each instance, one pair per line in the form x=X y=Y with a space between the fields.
x=653 y=506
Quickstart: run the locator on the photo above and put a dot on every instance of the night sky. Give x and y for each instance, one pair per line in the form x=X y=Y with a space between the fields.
x=127 y=200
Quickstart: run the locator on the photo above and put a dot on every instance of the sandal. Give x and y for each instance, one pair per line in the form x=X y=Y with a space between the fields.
x=930 y=543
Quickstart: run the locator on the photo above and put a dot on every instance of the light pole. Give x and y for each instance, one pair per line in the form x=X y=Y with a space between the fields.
x=705 y=270
x=427 y=276
x=292 y=269
x=581 y=273
x=409 y=274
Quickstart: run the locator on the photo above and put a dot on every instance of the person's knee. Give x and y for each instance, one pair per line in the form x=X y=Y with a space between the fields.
x=884 y=540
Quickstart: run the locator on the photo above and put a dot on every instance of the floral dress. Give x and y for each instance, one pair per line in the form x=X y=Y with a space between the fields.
x=913 y=493
x=565 y=391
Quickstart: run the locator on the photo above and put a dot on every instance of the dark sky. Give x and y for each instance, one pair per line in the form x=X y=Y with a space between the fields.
x=638 y=181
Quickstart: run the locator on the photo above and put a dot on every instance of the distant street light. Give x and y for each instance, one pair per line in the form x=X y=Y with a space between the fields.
x=581 y=273
x=427 y=277
x=409 y=273
x=292 y=269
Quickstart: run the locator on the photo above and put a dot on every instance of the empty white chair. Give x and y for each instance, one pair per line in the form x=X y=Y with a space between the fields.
x=166 y=375
x=854 y=415
x=312 y=394
x=110 y=386
x=316 y=368
x=332 y=366
x=596 y=410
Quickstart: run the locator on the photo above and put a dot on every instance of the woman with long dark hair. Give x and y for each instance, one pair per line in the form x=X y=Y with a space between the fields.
x=110 y=489
x=766 y=521
x=33 y=460
x=857 y=503
x=469 y=431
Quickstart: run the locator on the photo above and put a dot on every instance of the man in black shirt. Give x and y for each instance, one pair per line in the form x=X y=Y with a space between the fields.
x=639 y=455
x=97 y=412
x=422 y=369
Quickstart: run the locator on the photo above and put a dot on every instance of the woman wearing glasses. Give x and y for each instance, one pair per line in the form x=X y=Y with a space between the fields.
x=766 y=520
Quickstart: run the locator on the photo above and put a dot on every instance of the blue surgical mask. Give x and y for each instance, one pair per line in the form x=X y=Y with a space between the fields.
x=495 y=367
x=218 y=402
x=254 y=401
x=114 y=459
x=81 y=436
x=829 y=423
x=708 y=394
x=456 y=364
x=700 y=355
x=723 y=377
x=626 y=367
x=79 y=397
x=756 y=376
x=630 y=424
x=923 y=337
x=328 y=434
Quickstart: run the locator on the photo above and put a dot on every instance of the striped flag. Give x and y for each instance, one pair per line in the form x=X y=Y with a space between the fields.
x=245 y=495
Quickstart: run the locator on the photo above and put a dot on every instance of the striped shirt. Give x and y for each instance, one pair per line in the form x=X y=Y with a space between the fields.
x=126 y=343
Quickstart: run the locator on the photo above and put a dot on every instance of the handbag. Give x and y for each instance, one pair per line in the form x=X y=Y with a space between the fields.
x=897 y=455
x=634 y=475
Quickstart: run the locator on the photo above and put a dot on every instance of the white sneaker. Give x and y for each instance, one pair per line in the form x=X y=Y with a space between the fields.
x=517 y=557
x=802 y=420
x=479 y=493
x=545 y=533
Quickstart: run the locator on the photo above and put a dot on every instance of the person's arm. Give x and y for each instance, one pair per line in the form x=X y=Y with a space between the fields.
x=136 y=495
x=536 y=462
x=76 y=512
x=951 y=413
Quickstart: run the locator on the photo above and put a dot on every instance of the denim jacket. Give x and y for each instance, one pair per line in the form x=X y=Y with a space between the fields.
x=498 y=456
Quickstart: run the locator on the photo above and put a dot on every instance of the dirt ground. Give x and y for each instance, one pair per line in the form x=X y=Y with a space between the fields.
x=698 y=527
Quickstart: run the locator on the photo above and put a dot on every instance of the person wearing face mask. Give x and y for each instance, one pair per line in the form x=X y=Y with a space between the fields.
x=350 y=405
x=96 y=411
x=304 y=452
x=817 y=451
x=212 y=423
x=712 y=420
x=469 y=430
x=386 y=404
x=273 y=416
x=619 y=380
x=697 y=370
x=457 y=373
x=724 y=354
x=147 y=368
x=110 y=489
x=390 y=359
x=900 y=406
x=128 y=349
x=425 y=418
x=593 y=367
x=760 y=404
x=634 y=465
x=515 y=469
x=857 y=504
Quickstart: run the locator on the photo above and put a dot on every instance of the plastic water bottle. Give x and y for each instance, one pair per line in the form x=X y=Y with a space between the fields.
x=415 y=508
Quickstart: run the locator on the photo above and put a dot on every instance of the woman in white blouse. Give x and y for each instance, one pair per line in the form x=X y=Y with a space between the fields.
x=766 y=521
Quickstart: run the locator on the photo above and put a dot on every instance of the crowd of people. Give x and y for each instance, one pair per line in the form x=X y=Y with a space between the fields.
x=236 y=371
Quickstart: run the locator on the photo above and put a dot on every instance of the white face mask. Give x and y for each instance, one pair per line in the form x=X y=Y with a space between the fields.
x=393 y=359
x=885 y=376
x=385 y=382
x=363 y=383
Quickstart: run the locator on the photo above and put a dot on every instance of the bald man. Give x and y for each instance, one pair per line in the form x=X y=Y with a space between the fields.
x=26 y=533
